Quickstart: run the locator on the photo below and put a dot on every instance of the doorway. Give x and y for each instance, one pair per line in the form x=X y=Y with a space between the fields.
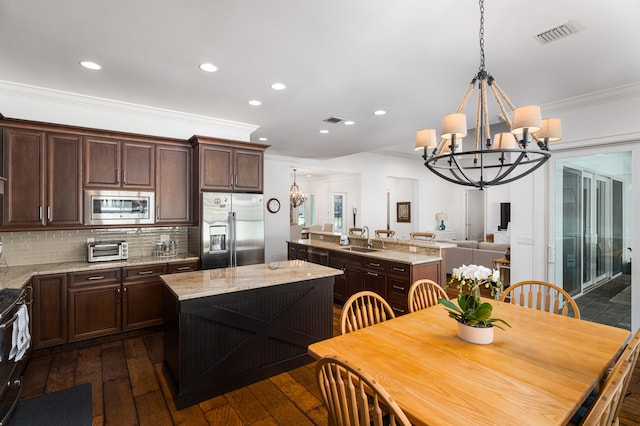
x=475 y=212
x=591 y=228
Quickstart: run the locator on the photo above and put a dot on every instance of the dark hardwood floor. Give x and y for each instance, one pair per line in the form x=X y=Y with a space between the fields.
x=129 y=388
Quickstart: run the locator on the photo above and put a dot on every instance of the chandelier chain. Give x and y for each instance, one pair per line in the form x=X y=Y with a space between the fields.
x=481 y=36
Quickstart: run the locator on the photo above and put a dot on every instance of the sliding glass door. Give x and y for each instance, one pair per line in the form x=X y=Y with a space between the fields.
x=590 y=227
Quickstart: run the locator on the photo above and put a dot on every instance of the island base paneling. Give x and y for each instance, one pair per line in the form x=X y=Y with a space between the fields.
x=219 y=343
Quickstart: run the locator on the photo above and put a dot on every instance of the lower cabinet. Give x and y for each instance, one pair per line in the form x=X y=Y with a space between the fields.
x=142 y=296
x=80 y=305
x=95 y=300
x=352 y=280
x=297 y=251
x=49 y=310
x=375 y=276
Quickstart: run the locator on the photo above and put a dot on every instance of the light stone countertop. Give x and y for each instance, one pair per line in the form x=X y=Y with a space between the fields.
x=19 y=276
x=212 y=282
x=386 y=254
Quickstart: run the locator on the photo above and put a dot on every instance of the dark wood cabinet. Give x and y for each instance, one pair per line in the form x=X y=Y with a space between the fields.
x=375 y=276
x=297 y=251
x=49 y=310
x=25 y=163
x=44 y=173
x=227 y=165
x=400 y=276
x=352 y=280
x=142 y=296
x=94 y=303
x=173 y=184
x=64 y=180
x=115 y=163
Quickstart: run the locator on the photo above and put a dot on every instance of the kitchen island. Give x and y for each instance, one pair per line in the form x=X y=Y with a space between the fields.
x=226 y=328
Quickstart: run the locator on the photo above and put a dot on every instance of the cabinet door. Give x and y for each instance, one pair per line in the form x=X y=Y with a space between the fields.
x=25 y=172
x=248 y=165
x=142 y=295
x=94 y=311
x=49 y=311
x=138 y=165
x=64 y=179
x=102 y=163
x=142 y=304
x=173 y=184
x=340 y=281
x=216 y=168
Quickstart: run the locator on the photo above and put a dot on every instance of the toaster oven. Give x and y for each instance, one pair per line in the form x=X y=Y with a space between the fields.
x=107 y=251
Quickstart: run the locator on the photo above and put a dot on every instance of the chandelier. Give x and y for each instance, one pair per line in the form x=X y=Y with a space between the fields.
x=492 y=161
x=295 y=196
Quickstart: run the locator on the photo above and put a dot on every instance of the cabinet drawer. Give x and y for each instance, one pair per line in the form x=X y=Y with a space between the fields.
x=399 y=286
x=175 y=267
x=376 y=265
x=399 y=269
x=96 y=277
x=146 y=272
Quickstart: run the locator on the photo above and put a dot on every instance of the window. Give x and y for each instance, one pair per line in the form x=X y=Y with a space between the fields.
x=339 y=202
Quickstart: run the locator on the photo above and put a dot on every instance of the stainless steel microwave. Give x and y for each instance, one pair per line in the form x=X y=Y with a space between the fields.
x=119 y=207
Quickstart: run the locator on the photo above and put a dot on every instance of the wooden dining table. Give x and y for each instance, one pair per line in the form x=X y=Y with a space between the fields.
x=538 y=372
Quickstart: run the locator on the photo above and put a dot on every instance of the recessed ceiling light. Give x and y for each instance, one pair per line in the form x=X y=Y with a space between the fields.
x=207 y=67
x=380 y=112
x=263 y=139
x=349 y=123
x=324 y=131
x=254 y=102
x=90 y=65
x=278 y=86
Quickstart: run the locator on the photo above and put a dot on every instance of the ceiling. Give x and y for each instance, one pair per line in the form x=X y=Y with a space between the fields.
x=412 y=58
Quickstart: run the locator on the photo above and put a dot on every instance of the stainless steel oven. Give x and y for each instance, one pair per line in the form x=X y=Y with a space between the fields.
x=15 y=347
x=119 y=207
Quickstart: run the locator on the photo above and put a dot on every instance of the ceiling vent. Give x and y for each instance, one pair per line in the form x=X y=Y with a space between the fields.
x=333 y=120
x=559 y=32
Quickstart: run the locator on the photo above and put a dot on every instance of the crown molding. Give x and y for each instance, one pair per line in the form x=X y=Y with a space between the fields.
x=600 y=97
x=17 y=99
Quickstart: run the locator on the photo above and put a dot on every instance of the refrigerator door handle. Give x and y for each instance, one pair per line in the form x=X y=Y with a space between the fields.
x=234 y=246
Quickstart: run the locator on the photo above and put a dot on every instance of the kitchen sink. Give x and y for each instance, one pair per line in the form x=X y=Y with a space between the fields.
x=359 y=249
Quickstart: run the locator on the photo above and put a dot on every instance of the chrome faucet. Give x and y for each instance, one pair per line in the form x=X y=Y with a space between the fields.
x=365 y=230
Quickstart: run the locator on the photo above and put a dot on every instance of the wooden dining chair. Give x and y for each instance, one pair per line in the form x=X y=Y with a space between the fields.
x=425 y=293
x=542 y=296
x=605 y=407
x=429 y=236
x=363 y=309
x=353 y=397
x=631 y=353
x=356 y=231
x=385 y=233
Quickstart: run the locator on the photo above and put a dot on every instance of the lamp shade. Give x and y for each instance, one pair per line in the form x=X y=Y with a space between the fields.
x=441 y=216
x=425 y=138
x=504 y=141
x=454 y=124
x=551 y=130
x=527 y=117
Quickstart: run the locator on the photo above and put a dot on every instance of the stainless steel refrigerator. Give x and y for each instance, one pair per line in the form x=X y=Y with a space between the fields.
x=232 y=229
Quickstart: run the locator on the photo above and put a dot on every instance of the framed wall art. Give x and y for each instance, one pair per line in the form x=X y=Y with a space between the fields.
x=403 y=212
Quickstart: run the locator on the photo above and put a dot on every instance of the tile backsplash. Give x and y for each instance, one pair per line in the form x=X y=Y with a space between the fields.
x=29 y=248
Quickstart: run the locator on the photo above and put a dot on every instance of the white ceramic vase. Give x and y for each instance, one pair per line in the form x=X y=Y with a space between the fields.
x=477 y=335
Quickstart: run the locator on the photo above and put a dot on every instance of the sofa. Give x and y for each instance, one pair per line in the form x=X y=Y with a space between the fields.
x=469 y=252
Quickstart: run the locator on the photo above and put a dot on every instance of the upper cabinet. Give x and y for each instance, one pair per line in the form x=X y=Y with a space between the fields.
x=115 y=163
x=173 y=184
x=44 y=178
x=222 y=165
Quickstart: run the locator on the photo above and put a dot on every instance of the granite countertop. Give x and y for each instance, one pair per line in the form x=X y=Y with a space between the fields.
x=212 y=282
x=392 y=255
x=18 y=276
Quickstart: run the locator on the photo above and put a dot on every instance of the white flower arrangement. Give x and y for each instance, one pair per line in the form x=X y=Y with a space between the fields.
x=474 y=276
